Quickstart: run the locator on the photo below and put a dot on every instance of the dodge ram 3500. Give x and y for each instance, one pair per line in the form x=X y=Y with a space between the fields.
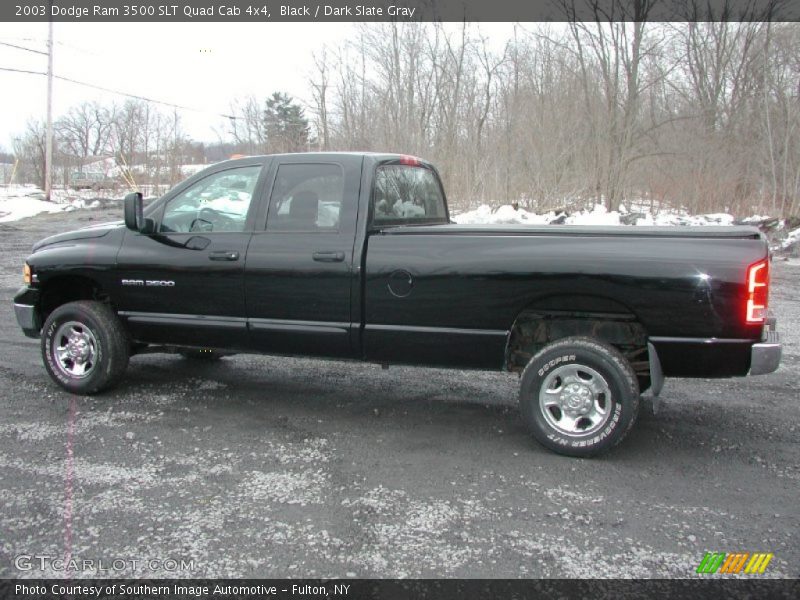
x=354 y=256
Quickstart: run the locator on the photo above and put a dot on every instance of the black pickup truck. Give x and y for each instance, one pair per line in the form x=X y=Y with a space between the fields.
x=354 y=256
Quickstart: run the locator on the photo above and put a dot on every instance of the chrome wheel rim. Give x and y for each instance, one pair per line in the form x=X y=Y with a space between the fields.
x=75 y=350
x=575 y=400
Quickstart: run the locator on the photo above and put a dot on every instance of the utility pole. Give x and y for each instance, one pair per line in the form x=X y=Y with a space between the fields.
x=48 y=152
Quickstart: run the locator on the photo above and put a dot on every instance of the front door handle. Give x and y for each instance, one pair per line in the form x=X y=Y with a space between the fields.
x=328 y=256
x=223 y=255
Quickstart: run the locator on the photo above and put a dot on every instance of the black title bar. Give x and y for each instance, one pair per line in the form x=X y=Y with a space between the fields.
x=261 y=11
x=393 y=589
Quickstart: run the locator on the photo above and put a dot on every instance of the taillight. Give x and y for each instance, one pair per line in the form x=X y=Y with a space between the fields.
x=26 y=274
x=757 y=291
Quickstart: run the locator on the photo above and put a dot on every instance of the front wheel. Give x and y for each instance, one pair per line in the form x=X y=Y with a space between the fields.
x=579 y=396
x=85 y=347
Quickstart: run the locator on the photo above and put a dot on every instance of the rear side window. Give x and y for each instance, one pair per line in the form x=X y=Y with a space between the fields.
x=406 y=194
x=306 y=197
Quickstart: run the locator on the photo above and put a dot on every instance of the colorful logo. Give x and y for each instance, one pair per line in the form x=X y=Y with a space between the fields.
x=735 y=562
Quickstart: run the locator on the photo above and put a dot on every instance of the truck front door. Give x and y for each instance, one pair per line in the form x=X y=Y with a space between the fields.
x=184 y=283
x=299 y=275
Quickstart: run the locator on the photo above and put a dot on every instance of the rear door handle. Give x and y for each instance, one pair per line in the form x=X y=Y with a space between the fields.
x=223 y=255
x=328 y=256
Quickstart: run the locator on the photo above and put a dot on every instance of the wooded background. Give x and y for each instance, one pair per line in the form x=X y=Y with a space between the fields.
x=701 y=116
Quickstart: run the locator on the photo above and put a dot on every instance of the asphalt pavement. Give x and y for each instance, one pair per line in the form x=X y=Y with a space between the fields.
x=259 y=466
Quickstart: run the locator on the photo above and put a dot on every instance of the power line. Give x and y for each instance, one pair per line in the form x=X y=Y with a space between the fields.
x=118 y=92
x=78 y=49
x=22 y=71
x=57 y=43
x=23 y=48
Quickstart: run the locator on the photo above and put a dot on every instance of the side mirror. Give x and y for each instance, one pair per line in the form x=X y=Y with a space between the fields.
x=134 y=215
x=133 y=211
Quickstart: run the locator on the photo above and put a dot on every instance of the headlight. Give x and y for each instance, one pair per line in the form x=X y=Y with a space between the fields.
x=26 y=274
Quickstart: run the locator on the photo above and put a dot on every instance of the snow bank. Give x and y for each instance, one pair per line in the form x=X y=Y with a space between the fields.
x=20 y=201
x=484 y=215
x=597 y=215
x=792 y=240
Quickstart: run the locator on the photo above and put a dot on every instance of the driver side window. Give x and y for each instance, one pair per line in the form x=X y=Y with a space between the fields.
x=216 y=203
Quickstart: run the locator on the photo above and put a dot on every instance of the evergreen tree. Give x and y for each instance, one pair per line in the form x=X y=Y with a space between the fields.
x=285 y=124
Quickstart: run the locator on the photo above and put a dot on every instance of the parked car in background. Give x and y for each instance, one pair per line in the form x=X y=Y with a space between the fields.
x=91 y=181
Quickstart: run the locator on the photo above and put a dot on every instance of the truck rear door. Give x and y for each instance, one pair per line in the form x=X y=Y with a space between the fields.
x=299 y=268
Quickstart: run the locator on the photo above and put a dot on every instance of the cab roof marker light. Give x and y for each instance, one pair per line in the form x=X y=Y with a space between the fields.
x=411 y=161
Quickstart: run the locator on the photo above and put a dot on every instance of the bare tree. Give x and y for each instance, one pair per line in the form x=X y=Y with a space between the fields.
x=85 y=130
x=247 y=127
x=29 y=148
x=694 y=115
x=320 y=84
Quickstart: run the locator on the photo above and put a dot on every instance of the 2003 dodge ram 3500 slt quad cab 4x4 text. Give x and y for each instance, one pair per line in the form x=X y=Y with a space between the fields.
x=354 y=256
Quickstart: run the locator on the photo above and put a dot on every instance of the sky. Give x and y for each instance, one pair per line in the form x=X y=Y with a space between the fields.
x=199 y=65
x=203 y=66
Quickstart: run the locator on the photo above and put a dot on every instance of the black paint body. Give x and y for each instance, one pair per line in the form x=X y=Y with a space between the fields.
x=442 y=294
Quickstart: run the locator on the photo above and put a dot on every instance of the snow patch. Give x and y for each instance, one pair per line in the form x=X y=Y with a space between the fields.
x=209 y=385
x=506 y=214
x=596 y=215
x=435 y=534
x=285 y=487
x=89 y=473
x=20 y=201
x=310 y=451
x=31 y=431
x=792 y=240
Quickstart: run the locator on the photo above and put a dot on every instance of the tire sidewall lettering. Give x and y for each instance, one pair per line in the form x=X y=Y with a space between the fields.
x=566 y=358
x=607 y=431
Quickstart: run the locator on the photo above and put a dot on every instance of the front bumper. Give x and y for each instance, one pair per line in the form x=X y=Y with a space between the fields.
x=765 y=357
x=25 y=310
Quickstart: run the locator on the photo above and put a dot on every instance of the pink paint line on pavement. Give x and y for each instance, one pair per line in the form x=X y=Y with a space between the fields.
x=68 y=480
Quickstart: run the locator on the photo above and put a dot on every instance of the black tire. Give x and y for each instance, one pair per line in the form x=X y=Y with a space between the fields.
x=586 y=365
x=202 y=355
x=98 y=331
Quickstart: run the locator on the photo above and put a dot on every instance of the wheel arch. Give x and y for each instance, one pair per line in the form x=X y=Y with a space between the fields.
x=549 y=319
x=61 y=289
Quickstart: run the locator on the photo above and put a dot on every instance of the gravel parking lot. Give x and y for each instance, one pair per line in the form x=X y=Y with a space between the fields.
x=275 y=467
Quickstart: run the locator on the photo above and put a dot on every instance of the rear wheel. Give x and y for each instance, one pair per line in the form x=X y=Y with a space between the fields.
x=84 y=347
x=579 y=396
